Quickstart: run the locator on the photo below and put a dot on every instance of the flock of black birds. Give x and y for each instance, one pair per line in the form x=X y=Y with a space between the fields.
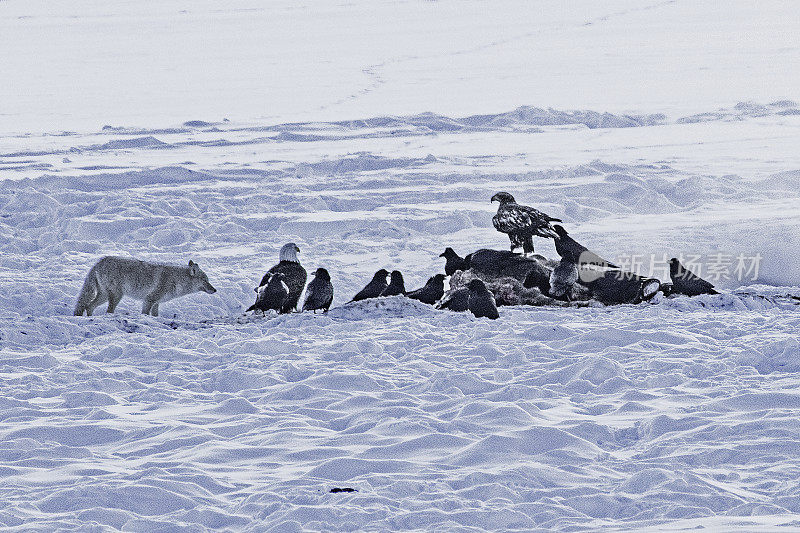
x=484 y=279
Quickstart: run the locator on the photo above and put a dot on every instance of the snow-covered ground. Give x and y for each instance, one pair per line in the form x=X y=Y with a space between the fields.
x=373 y=135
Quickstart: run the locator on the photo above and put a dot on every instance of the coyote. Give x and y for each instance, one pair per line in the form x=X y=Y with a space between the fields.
x=112 y=277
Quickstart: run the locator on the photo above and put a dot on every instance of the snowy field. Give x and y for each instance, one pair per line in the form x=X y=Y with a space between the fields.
x=373 y=134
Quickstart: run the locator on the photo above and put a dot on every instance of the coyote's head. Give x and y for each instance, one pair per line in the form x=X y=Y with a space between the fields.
x=199 y=279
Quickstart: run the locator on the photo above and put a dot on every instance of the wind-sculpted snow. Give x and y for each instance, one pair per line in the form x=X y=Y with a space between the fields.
x=744 y=110
x=524 y=119
x=676 y=413
x=560 y=419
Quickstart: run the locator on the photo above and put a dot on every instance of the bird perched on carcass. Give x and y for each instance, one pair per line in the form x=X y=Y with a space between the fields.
x=481 y=302
x=574 y=252
x=453 y=261
x=431 y=293
x=521 y=222
x=455 y=300
x=686 y=282
x=319 y=293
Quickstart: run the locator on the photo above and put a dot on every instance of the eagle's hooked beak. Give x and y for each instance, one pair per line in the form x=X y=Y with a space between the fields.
x=495 y=198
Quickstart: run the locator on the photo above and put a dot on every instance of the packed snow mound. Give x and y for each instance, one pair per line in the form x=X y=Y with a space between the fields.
x=138 y=142
x=744 y=110
x=520 y=118
x=114 y=181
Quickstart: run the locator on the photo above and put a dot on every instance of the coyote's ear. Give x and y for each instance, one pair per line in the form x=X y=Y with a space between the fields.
x=192 y=268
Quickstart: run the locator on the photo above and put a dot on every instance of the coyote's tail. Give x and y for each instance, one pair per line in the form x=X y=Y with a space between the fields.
x=88 y=292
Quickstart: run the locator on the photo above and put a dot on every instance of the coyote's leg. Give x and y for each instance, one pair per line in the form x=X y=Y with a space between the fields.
x=147 y=305
x=113 y=301
x=154 y=309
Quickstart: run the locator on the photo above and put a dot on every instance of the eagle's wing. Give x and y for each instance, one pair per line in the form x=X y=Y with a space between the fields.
x=523 y=221
x=537 y=216
x=510 y=220
x=514 y=218
x=538 y=223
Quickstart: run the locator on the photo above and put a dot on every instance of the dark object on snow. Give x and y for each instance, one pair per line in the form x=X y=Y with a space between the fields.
x=510 y=291
x=481 y=302
x=501 y=263
x=396 y=285
x=649 y=288
x=563 y=279
x=453 y=261
x=319 y=293
x=295 y=275
x=374 y=288
x=432 y=292
x=573 y=251
x=667 y=288
x=685 y=282
x=538 y=278
x=521 y=222
x=618 y=287
x=272 y=295
x=457 y=300
x=345 y=489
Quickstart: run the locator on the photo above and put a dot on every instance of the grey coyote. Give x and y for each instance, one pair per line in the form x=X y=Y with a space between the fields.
x=112 y=277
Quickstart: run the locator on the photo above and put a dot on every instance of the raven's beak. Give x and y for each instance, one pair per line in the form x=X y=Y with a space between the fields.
x=441 y=254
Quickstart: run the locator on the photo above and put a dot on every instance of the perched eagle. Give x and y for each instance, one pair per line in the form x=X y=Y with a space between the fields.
x=521 y=222
x=295 y=275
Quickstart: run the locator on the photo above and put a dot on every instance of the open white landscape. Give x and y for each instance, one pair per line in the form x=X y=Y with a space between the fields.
x=373 y=134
